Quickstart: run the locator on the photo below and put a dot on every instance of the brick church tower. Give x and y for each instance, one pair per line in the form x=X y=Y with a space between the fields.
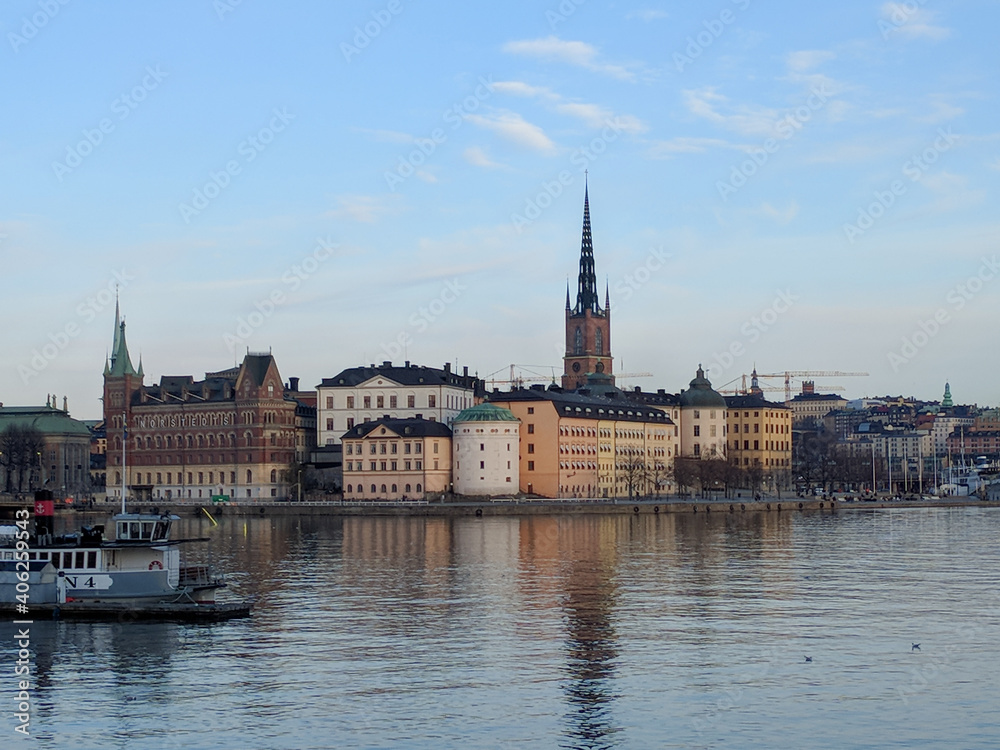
x=588 y=325
x=121 y=381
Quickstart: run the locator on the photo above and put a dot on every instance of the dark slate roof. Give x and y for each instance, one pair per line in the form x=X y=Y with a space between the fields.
x=571 y=404
x=402 y=427
x=701 y=395
x=412 y=375
x=818 y=397
x=751 y=401
x=257 y=366
x=214 y=388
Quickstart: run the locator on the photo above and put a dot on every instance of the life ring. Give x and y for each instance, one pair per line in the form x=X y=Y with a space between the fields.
x=156 y=565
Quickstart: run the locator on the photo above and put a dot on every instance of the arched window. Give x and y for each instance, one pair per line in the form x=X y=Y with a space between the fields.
x=393 y=488
x=373 y=489
x=407 y=488
x=419 y=488
x=578 y=341
x=350 y=488
x=274 y=476
x=599 y=341
x=383 y=489
x=249 y=476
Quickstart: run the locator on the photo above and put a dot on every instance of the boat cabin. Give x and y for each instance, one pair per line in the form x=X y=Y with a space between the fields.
x=142 y=527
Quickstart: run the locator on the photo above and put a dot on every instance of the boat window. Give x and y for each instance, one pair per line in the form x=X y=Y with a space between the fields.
x=92 y=559
x=160 y=532
x=43 y=555
x=67 y=559
x=32 y=556
x=79 y=559
x=147 y=530
x=133 y=530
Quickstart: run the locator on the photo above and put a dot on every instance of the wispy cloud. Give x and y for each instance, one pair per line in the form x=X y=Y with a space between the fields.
x=388 y=136
x=573 y=53
x=647 y=14
x=745 y=119
x=514 y=128
x=688 y=145
x=951 y=192
x=804 y=60
x=364 y=208
x=478 y=157
x=780 y=215
x=906 y=20
x=593 y=115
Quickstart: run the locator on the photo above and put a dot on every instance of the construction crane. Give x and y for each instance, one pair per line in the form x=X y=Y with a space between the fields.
x=789 y=374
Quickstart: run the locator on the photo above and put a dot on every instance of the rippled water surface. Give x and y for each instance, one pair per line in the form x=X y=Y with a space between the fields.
x=544 y=632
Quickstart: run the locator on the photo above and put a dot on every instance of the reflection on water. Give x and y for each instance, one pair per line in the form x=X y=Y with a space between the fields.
x=540 y=632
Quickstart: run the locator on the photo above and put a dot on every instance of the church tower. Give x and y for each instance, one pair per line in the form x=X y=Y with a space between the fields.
x=121 y=381
x=588 y=325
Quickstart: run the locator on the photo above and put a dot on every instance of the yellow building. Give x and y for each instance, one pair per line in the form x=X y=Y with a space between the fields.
x=397 y=459
x=759 y=434
x=575 y=445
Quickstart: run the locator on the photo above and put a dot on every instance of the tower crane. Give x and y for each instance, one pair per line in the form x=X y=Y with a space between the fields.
x=789 y=374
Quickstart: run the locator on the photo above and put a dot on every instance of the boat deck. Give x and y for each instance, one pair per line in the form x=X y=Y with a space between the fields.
x=128 y=612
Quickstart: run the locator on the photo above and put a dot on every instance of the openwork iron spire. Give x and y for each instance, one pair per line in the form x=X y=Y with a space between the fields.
x=586 y=295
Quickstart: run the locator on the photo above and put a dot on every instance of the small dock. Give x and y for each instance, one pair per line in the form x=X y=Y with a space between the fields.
x=124 y=612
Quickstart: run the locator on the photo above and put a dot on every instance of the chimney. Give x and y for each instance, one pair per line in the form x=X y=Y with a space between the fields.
x=447 y=367
x=465 y=371
x=387 y=363
x=638 y=389
x=407 y=364
x=293 y=384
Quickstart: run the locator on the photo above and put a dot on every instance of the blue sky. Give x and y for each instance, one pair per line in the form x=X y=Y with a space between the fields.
x=801 y=186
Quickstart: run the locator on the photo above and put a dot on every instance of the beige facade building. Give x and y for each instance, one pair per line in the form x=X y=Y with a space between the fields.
x=703 y=420
x=486 y=444
x=760 y=434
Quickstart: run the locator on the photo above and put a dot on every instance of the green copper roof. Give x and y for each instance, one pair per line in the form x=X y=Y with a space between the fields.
x=485 y=413
x=701 y=395
x=45 y=419
x=946 y=402
x=121 y=363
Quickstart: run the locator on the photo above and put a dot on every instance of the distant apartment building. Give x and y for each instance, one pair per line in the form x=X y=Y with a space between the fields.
x=759 y=433
x=577 y=445
x=703 y=420
x=363 y=394
x=59 y=461
x=397 y=459
x=809 y=408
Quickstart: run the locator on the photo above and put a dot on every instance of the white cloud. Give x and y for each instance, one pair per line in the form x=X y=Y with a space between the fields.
x=478 y=157
x=593 y=115
x=573 y=53
x=744 y=119
x=903 y=19
x=804 y=60
x=362 y=208
x=388 y=136
x=516 y=129
x=783 y=215
x=951 y=192
x=941 y=111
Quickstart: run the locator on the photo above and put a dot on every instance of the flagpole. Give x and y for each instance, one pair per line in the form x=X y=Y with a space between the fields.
x=124 y=465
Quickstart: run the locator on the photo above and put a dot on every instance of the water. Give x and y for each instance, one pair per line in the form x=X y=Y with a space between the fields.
x=670 y=631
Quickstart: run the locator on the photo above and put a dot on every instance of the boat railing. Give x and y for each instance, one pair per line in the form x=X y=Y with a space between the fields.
x=196 y=575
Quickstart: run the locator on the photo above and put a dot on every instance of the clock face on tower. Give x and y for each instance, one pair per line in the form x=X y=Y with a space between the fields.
x=576 y=367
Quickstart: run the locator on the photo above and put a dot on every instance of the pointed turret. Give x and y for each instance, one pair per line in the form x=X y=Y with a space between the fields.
x=946 y=402
x=567 y=296
x=121 y=363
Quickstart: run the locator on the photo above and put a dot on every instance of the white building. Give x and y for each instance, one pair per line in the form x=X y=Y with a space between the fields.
x=703 y=420
x=364 y=394
x=485 y=451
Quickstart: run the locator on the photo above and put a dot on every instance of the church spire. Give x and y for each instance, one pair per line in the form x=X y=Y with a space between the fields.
x=586 y=294
x=568 y=307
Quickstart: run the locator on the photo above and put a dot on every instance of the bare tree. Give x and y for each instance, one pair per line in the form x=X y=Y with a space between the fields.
x=20 y=454
x=635 y=473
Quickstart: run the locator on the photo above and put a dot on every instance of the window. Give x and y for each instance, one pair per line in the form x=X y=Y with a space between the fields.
x=531 y=447
x=350 y=404
x=393 y=488
x=431 y=401
x=531 y=410
x=697 y=449
x=373 y=489
x=756 y=427
x=371 y=449
x=406 y=488
x=382 y=466
x=382 y=448
x=435 y=447
x=393 y=465
x=418 y=448
x=274 y=476
x=406 y=448
x=368 y=404
x=371 y=466
x=329 y=402
x=406 y=467
x=482 y=464
x=394 y=448
x=756 y=445
x=697 y=431
x=578 y=341
x=482 y=446
x=411 y=401
x=697 y=414
x=531 y=465
x=329 y=423
x=380 y=402
x=419 y=466
x=249 y=476
x=531 y=429
x=392 y=405
x=350 y=422
x=348 y=448
x=419 y=488
x=711 y=430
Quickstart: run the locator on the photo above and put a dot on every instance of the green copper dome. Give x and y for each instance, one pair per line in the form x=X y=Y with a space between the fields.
x=485 y=413
x=701 y=395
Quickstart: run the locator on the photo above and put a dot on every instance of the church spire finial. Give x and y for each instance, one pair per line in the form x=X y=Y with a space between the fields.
x=586 y=294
